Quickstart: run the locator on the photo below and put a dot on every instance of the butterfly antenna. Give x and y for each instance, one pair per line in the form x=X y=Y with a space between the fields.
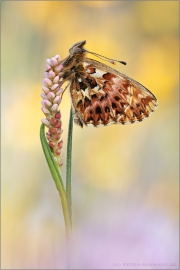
x=112 y=61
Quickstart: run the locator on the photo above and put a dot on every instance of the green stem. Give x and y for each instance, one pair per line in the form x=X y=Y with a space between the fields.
x=58 y=181
x=68 y=165
x=65 y=195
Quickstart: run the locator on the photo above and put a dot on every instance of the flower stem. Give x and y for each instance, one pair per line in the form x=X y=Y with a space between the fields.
x=68 y=189
x=58 y=181
x=68 y=165
x=65 y=195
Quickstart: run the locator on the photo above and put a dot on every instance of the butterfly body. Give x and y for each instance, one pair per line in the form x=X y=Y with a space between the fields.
x=101 y=95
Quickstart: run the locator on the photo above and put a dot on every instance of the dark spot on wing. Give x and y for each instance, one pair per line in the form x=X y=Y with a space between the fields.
x=87 y=102
x=98 y=110
x=90 y=70
x=108 y=76
x=117 y=98
x=82 y=85
x=107 y=109
x=93 y=96
x=91 y=81
x=80 y=106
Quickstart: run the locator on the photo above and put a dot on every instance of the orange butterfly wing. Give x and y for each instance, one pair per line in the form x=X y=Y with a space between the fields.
x=104 y=96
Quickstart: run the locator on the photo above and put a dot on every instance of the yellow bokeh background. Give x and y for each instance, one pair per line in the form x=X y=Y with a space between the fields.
x=124 y=178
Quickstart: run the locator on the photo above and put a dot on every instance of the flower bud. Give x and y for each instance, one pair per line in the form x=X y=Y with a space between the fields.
x=47 y=103
x=52 y=130
x=51 y=96
x=56 y=79
x=54 y=108
x=47 y=82
x=53 y=62
x=45 y=89
x=45 y=122
x=54 y=86
x=52 y=144
x=51 y=74
x=57 y=100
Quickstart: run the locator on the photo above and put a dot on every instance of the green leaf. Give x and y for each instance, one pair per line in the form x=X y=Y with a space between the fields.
x=51 y=162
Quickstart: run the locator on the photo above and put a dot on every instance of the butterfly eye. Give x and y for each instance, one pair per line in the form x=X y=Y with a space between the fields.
x=77 y=48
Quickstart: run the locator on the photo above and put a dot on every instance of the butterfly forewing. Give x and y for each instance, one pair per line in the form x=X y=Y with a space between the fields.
x=103 y=96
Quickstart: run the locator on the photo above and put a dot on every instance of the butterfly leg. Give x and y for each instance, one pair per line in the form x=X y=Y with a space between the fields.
x=77 y=119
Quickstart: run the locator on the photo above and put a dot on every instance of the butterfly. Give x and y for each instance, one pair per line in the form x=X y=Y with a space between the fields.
x=102 y=95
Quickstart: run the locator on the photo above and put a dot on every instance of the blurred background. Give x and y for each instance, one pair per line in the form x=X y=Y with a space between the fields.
x=124 y=178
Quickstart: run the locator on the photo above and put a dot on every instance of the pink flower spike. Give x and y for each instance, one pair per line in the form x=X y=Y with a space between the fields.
x=51 y=92
x=54 y=108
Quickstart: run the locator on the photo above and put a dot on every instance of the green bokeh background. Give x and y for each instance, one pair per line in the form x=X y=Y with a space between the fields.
x=124 y=178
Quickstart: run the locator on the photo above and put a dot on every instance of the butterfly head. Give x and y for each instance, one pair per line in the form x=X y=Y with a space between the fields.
x=77 y=48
